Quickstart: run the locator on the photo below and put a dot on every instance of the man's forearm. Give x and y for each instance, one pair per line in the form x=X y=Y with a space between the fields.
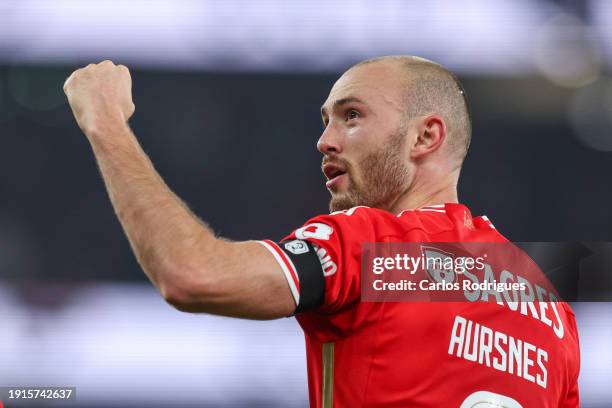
x=193 y=270
x=161 y=229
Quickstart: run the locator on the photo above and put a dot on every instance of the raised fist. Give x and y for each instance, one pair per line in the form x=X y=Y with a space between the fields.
x=100 y=96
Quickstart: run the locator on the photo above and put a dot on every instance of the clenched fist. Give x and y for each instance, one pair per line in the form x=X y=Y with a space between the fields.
x=100 y=96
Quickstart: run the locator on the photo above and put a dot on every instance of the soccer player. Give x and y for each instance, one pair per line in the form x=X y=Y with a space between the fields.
x=396 y=131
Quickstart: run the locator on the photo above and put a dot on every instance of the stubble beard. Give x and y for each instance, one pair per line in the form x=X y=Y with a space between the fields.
x=384 y=176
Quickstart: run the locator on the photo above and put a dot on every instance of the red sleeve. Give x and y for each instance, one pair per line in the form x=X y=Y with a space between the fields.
x=333 y=280
x=572 y=398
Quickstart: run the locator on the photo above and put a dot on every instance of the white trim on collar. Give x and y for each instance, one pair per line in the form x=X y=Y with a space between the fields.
x=440 y=208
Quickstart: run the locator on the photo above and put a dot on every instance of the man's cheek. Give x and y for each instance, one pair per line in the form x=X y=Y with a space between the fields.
x=353 y=177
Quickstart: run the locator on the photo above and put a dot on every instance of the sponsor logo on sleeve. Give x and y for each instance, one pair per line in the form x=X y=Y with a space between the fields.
x=328 y=265
x=316 y=230
x=297 y=246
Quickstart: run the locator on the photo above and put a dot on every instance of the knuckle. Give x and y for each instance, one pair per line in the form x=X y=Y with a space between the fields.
x=79 y=73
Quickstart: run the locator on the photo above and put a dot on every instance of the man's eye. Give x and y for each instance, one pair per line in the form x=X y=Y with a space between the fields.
x=352 y=114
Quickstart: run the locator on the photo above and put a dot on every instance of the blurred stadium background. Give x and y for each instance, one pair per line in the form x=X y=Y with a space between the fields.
x=227 y=100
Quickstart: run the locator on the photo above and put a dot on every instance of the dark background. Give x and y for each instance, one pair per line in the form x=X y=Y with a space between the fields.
x=240 y=150
x=227 y=96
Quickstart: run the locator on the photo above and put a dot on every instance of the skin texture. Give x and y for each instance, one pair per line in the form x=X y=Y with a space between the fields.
x=369 y=123
x=193 y=269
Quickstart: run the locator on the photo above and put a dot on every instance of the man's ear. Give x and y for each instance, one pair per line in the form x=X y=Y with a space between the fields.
x=431 y=134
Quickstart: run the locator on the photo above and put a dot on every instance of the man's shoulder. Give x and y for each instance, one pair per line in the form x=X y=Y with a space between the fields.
x=361 y=220
x=380 y=223
x=355 y=217
x=450 y=222
x=364 y=213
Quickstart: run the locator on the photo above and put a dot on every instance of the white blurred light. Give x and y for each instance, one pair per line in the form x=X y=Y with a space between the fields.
x=120 y=343
x=567 y=52
x=591 y=115
x=601 y=15
x=594 y=322
x=481 y=36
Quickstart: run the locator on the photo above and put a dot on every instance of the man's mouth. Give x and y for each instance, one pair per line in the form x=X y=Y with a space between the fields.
x=334 y=174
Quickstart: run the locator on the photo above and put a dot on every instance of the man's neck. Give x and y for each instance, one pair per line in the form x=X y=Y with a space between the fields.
x=423 y=197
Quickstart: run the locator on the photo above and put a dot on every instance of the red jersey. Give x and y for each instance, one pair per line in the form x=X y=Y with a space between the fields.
x=409 y=354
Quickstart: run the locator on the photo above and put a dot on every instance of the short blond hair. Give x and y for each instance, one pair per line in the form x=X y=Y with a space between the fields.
x=433 y=89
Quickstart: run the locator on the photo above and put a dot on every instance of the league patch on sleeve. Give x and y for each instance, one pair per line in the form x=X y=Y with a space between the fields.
x=296 y=247
x=309 y=270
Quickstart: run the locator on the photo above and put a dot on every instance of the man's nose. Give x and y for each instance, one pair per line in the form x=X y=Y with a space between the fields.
x=329 y=142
